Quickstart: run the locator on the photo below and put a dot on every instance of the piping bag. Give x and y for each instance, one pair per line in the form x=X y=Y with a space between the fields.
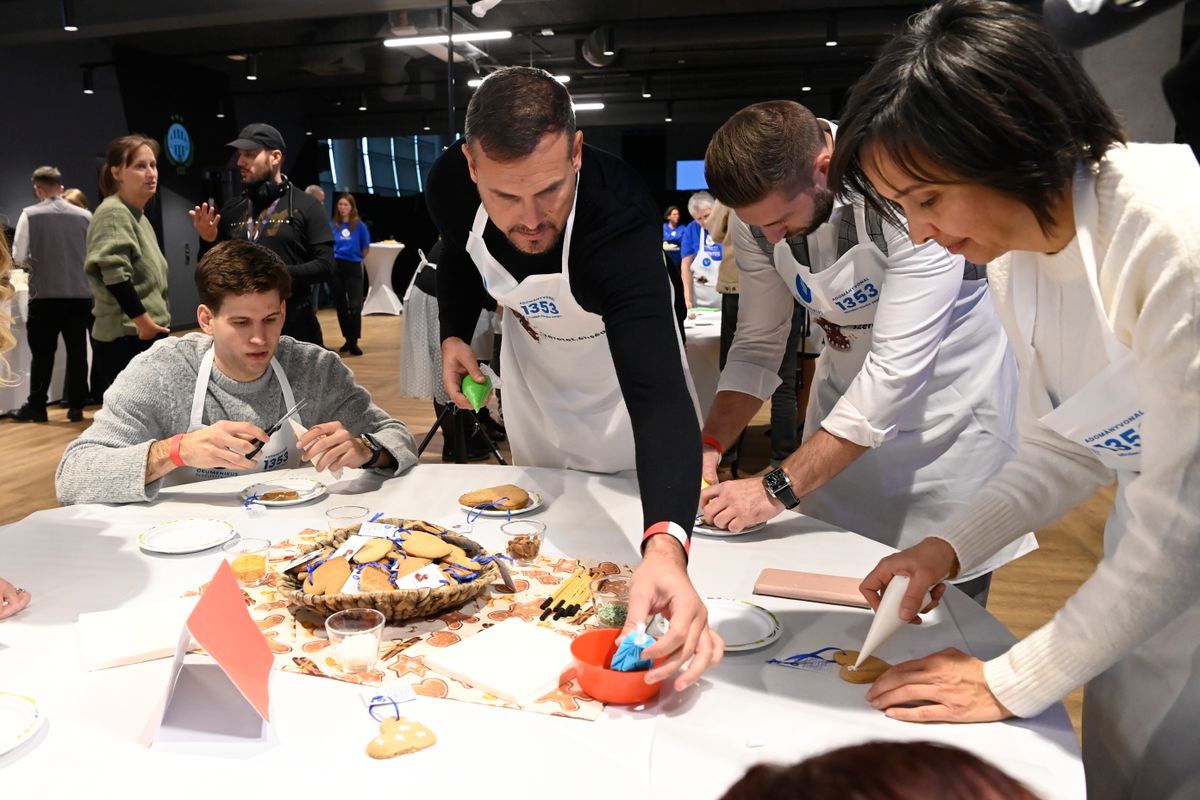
x=300 y=430
x=887 y=617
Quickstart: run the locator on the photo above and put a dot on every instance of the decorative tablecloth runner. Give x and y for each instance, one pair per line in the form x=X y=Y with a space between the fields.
x=296 y=635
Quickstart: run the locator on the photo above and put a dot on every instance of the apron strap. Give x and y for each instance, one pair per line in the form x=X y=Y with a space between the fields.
x=289 y=399
x=201 y=389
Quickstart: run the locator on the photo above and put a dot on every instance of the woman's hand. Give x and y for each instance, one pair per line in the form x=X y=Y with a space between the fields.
x=950 y=684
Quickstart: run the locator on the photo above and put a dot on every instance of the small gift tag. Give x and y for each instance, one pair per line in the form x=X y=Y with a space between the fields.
x=348 y=548
x=380 y=702
x=426 y=578
x=379 y=530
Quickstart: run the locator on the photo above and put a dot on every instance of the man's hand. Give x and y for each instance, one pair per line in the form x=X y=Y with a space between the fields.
x=459 y=359
x=710 y=459
x=222 y=445
x=926 y=563
x=738 y=505
x=206 y=219
x=951 y=681
x=661 y=585
x=147 y=328
x=12 y=599
x=329 y=446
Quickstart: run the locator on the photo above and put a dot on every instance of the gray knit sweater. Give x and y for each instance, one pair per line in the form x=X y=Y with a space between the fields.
x=152 y=400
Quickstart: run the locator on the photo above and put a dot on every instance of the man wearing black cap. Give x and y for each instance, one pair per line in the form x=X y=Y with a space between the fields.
x=279 y=216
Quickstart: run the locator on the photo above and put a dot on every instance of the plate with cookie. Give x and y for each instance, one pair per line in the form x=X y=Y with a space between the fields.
x=704 y=529
x=20 y=720
x=186 y=536
x=744 y=626
x=500 y=501
x=284 y=492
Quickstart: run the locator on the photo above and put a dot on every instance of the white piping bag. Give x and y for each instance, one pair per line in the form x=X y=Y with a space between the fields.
x=300 y=430
x=887 y=617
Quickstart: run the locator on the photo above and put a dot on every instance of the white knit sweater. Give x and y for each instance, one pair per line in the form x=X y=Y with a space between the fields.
x=1148 y=251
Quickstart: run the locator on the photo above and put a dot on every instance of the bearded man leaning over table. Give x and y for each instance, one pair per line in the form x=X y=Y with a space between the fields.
x=196 y=407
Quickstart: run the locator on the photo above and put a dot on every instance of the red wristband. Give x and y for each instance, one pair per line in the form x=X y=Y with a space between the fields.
x=176 y=458
x=672 y=529
x=714 y=443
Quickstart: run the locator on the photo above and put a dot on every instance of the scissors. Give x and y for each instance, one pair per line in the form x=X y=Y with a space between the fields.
x=271 y=431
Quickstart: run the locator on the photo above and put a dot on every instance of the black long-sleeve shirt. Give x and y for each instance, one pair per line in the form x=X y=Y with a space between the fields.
x=617 y=271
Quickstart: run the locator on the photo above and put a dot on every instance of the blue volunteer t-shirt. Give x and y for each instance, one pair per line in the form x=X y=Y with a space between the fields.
x=348 y=245
x=689 y=244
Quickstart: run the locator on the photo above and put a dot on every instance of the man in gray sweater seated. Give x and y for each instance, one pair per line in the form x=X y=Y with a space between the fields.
x=194 y=407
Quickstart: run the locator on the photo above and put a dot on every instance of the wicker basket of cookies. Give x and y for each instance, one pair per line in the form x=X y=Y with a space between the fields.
x=421 y=570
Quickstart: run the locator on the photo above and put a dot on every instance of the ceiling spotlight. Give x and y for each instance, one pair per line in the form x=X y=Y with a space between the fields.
x=68 y=16
x=425 y=122
x=547 y=31
x=308 y=133
x=563 y=78
x=251 y=68
x=220 y=109
x=475 y=83
x=236 y=56
x=806 y=88
x=481 y=7
x=670 y=112
x=362 y=102
x=444 y=38
x=588 y=106
x=831 y=33
x=610 y=42
x=646 y=93
x=88 y=86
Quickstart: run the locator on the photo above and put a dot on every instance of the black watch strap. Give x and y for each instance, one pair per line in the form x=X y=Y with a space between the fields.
x=376 y=451
x=779 y=485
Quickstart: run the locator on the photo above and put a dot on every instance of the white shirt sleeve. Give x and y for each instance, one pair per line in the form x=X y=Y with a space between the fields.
x=764 y=320
x=920 y=288
x=20 y=250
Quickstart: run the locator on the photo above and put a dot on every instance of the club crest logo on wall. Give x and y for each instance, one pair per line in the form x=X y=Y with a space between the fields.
x=179 y=145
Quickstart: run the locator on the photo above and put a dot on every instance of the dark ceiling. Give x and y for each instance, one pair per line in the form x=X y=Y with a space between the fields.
x=701 y=60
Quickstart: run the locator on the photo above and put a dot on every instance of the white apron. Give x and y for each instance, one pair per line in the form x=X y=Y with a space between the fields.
x=563 y=406
x=281 y=452
x=705 y=267
x=905 y=489
x=1141 y=716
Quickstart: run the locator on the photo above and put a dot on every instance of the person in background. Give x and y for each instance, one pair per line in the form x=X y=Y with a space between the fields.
x=318 y=286
x=316 y=191
x=76 y=197
x=12 y=599
x=351 y=243
x=882 y=771
x=1093 y=246
x=701 y=256
x=672 y=235
x=279 y=216
x=124 y=265
x=196 y=407
x=50 y=242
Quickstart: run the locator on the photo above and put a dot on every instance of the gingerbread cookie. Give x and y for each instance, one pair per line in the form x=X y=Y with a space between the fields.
x=373 y=550
x=459 y=557
x=504 y=496
x=375 y=579
x=328 y=578
x=280 y=495
x=871 y=669
x=399 y=736
x=410 y=565
x=426 y=545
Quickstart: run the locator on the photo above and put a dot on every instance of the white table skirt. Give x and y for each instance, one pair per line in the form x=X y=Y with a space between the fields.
x=381 y=297
x=20 y=359
x=693 y=745
x=704 y=356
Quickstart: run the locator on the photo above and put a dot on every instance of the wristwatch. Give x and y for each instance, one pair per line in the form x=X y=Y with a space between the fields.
x=376 y=450
x=779 y=485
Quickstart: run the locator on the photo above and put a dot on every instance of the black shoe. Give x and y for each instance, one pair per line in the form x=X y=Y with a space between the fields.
x=355 y=350
x=75 y=415
x=345 y=348
x=28 y=413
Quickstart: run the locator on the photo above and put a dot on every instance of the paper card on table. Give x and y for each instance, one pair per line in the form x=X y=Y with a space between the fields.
x=379 y=530
x=514 y=660
x=426 y=578
x=298 y=560
x=351 y=546
x=132 y=635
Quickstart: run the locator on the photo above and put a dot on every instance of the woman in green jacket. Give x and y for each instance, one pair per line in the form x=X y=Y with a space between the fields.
x=124 y=265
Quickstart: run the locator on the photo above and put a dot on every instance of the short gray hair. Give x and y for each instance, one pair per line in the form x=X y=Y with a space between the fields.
x=47 y=176
x=698 y=201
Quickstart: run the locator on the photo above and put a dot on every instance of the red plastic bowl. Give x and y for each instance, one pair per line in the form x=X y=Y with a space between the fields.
x=593 y=652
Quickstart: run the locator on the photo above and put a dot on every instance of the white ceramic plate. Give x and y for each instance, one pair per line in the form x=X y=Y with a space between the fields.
x=186 y=536
x=19 y=720
x=307 y=489
x=535 y=502
x=721 y=533
x=744 y=626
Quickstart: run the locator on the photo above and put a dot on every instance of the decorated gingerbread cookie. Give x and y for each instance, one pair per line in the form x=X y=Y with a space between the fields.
x=399 y=736
x=871 y=669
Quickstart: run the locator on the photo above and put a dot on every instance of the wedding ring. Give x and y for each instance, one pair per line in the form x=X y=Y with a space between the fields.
x=20 y=591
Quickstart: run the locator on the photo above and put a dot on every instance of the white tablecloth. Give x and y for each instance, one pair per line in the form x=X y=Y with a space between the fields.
x=20 y=359
x=381 y=298
x=704 y=355
x=693 y=745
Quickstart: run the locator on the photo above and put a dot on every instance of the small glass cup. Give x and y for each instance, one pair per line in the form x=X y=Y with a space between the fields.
x=611 y=595
x=346 y=516
x=248 y=559
x=523 y=539
x=355 y=636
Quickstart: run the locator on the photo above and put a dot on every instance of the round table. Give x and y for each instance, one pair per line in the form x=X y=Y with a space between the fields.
x=381 y=298
x=689 y=745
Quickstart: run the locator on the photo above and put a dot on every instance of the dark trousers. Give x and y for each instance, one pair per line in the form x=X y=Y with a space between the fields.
x=110 y=358
x=301 y=323
x=783 y=401
x=348 y=298
x=49 y=318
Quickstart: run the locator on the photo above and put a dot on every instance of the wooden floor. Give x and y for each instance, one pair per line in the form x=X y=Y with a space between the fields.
x=1024 y=594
